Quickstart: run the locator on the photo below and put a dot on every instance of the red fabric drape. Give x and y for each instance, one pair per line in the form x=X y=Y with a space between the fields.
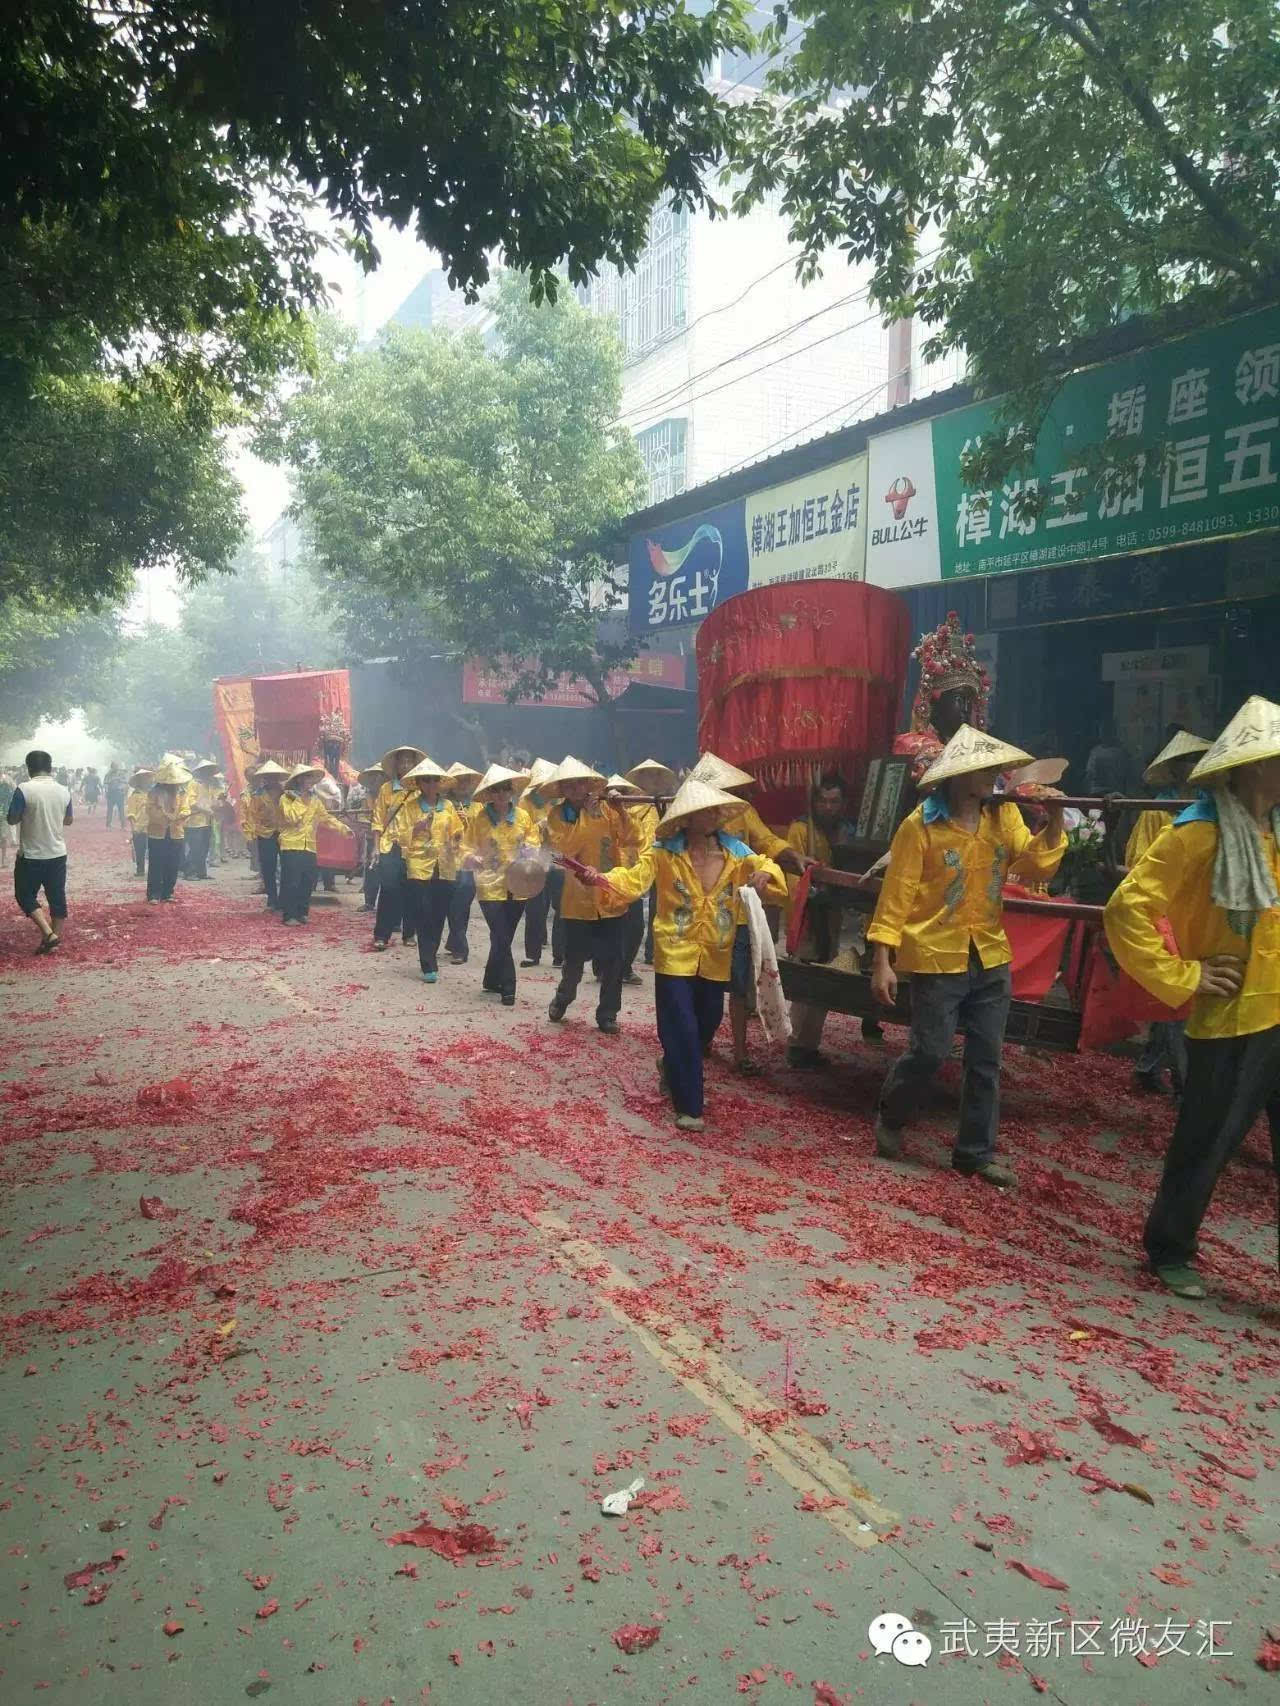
x=233 y=718
x=287 y=710
x=800 y=677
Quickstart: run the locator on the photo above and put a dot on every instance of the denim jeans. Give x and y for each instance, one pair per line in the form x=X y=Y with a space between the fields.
x=976 y=1002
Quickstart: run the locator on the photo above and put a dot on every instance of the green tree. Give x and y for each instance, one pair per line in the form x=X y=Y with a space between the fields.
x=453 y=494
x=157 y=692
x=1025 y=174
x=159 y=160
x=51 y=660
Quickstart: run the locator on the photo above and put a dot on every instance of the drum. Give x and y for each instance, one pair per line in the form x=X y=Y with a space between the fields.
x=526 y=878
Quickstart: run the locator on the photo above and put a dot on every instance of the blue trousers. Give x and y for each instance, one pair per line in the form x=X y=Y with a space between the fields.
x=689 y=1013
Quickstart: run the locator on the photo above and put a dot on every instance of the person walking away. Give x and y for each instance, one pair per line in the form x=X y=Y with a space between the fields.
x=826 y=827
x=269 y=779
x=498 y=832
x=537 y=804
x=941 y=912
x=300 y=810
x=697 y=867
x=432 y=846
x=136 y=805
x=389 y=828
x=750 y=827
x=114 y=785
x=643 y=819
x=202 y=802
x=462 y=781
x=91 y=790
x=1169 y=774
x=1214 y=874
x=40 y=809
x=166 y=829
x=585 y=827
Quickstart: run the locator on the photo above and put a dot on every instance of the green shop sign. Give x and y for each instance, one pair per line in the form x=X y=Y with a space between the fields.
x=1193 y=425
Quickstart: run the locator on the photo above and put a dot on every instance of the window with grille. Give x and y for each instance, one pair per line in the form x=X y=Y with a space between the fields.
x=648 y=305
x=662 y=450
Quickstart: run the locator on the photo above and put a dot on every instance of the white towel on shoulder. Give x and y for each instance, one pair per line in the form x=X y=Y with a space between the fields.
x=770 y=1003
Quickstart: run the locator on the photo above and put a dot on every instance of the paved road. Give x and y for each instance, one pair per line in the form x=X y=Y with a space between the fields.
x=300 y=1254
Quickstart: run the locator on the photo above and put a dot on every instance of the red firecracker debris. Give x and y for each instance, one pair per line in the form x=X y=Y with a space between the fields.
x=635 y=1637
x=1269 y=1652
x=268 y=1608
x=468 y=1539
x=1041 y=1577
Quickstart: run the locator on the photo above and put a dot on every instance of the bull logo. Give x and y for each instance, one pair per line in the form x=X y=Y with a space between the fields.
x=899 y=495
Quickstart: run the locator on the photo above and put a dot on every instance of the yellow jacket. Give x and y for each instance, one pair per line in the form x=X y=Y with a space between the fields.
x=298 y=820
x=135 y=810
x=165 y=824
x=202 y=798
x=804 y=835
x=435 y=853
x=942 y=890
x=537 y=809
x=388 y=818
x=267 y=820
x=600 y=834
x=1150 y=824
x=645 y=821
x=1172 y=881
x=498 y=843
x=747 y=825
x=693 y=929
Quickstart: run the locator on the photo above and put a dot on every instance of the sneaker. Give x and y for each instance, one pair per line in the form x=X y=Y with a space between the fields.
x=380 y=947
x=888 y=1140
x=991 y=1173
x=430 y=977
x=457 y=959
x=509 y=1000
x=608 y=1026
x=632 y=977
x=1183 y=1281
x=525 y=964
x=556 y=1012
x=689 y=1122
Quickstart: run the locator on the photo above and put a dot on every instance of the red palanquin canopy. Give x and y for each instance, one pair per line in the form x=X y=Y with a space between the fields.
x=289 y=711
x=802 y=676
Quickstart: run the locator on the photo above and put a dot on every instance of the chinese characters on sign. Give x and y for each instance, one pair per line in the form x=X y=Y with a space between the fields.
x=483 y=684
x=1192 y=431
x=1056 y=1637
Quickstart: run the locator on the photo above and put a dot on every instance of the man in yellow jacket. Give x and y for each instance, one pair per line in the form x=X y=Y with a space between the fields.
x=268 y=782
x=498 y=832
x=166 y=827
x=135 y=816
x=203 y=798
x=698 y=868
x=390 y=830
x=537 y=910
x=1169 y=773
x=588 y=828
x=748 y=826
x=301 y=809
x=1215 y=875
x=432 y=851
x=644 y=821
x=941 y=912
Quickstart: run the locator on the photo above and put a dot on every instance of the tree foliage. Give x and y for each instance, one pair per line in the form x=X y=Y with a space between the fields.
x=158 y=158
x=1024 y=174
x=451 y=491
x=156 y=693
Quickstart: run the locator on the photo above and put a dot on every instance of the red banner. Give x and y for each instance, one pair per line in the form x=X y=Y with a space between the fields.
x=489 y=684
x=801 y=675
x=288 y=710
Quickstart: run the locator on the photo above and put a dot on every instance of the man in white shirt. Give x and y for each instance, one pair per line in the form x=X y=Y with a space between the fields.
x=41 y=809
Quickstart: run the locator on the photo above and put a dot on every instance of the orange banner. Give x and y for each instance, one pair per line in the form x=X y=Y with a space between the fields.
x=233 y=719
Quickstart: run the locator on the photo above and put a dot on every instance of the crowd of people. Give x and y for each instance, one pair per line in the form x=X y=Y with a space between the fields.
x=683 y=868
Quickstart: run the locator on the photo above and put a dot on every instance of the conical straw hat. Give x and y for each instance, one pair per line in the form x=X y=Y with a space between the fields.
x=695 y=796
x=652 y=778
x=425 y=772
x=540 y=771
x=1252 y=734
x=301 y=770
x=971 y=749
x=495 y=776
x=572 y=769
x=1183 y=745
x=204 y=764
x=716 y=773
x=171 y=774
x=267 y=769
x=372 y=773
x=141 y=777
x=623 y=785
x=461 y=773
x=390 y=753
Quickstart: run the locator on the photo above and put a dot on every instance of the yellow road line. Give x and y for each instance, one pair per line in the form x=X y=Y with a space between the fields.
x=790 y=1451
